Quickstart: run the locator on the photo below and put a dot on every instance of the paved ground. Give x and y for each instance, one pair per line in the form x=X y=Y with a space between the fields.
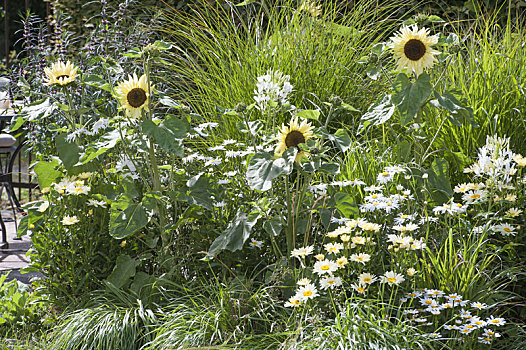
x=14 y=258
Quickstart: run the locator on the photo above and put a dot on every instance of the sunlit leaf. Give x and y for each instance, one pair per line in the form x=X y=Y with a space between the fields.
x=236 y=234
x=262 y=168
x=410 y=97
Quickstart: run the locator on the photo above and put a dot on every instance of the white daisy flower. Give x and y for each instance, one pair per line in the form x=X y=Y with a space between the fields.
x=302 y=252
x=330 y=282
x=392 y=278
x=293 y=301
x=333 y=248
x=325 y=267
x=361 y=258
x=307 y=292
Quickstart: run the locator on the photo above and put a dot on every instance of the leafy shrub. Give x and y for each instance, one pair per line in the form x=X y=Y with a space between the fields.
x=21 y=311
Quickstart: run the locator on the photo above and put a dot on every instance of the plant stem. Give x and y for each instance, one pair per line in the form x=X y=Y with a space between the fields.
x=290 y=228
x=156 y=179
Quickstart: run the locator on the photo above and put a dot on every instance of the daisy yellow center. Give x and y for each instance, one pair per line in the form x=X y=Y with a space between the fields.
x=385 y=173
x=294 y=138
x=374 y=196
x=367 y=280
x=136 y=97
x=307 y=293
x=391 y=279
x=414 y=49
x=490 y=333
x=325 y=267
x=495 y=321
x=487 y=339
x=428 y=302
x=475 y=196
x=361 y=289
x=296 y=302
x=330 y=282
x=447 y=306
x=507 y=229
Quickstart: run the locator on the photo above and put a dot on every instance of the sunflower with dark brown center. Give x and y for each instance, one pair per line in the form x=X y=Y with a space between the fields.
x=292 y=136
x=412 y=49
x=133 y=95
x=60 y=73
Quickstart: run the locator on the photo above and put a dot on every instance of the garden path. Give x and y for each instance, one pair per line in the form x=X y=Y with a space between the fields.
x=14 y=258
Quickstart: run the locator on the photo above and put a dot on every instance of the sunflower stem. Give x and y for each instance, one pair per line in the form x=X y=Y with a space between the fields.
x=290 y=228
x=156 y=179
x=70 y=117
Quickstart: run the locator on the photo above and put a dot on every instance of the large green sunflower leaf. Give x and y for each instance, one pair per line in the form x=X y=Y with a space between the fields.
x=97 y=81
x=124 y=223
x=439 y=180
x=198 y=191
x=380 y=111
x=457 y=111
x=169 y=135
x=108 y=141
x=237 y=232
x=273 y=226
x=125 y=268
x=309 y=114
x=262 y=169
x=46 y=173
x=410 y=97
x=67 y=151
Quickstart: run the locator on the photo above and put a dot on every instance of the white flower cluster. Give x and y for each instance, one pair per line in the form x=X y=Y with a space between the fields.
x=458 y=323
x=495 y=160
x=273 y=87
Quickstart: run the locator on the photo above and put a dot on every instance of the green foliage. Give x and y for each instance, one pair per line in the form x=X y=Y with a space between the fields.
x=236 y=234
x=214 y=64
x=20 y=308
x=360 y=326
x=488 y=71
x=410 y=97
x=262 y=168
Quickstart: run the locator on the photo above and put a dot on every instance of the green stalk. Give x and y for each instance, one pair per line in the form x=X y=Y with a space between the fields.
x=290 y=228
x=156 y=179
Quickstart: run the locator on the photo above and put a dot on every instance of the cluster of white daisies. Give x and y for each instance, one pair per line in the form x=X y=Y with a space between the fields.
x=451 y=312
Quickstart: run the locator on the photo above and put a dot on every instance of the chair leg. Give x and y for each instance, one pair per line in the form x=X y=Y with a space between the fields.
x=3 y=244
x=13 y=211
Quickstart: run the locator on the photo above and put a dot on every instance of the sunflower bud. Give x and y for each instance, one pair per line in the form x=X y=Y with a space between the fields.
x=454 y=48
x=336 y=101
x=151 y=50
x=241 y=107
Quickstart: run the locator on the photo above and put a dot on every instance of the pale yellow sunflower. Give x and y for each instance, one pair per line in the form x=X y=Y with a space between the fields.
x=60 y=73
x=133 y=95
x=412 y=49
x=292 y=135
